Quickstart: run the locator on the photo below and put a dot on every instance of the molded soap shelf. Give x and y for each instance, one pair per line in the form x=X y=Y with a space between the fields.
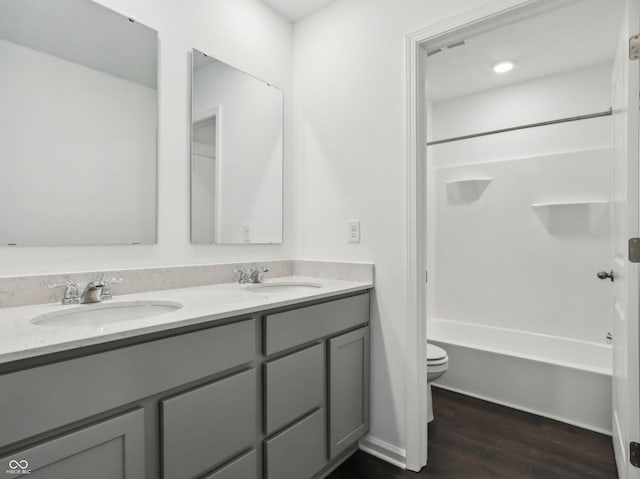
x=571 y=217
x=466 y=190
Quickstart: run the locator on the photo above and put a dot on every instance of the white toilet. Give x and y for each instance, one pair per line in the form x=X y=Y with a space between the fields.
x=437 y=363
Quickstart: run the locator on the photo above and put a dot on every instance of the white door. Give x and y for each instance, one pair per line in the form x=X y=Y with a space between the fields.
x=626 y=367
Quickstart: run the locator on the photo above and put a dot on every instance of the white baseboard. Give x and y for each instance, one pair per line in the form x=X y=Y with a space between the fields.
x=383 y=450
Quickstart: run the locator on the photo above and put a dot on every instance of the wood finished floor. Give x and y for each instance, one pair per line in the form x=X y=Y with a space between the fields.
x=474 y=439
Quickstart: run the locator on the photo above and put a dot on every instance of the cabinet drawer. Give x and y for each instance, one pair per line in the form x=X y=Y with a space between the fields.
x=294 y=386
x=291 y=328
x=299 y=451
x=79 y=388
x=113 y=449
x=246 y=467
x=203 y=427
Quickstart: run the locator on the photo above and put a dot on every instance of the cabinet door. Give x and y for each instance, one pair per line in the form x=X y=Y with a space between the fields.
x=208 y=425
x=113 y=449
x=349 y=389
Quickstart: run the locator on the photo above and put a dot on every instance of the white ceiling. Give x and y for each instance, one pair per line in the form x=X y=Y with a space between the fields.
x=575 y=35
x=295 y=10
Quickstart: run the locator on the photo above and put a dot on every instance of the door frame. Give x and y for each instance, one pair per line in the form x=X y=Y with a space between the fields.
x=416 y=177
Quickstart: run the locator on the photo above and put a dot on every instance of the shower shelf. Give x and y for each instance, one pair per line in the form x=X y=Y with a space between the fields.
x=466 y=190
x=571 y=217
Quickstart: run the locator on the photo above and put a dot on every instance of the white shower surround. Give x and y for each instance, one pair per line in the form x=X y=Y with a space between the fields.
x=515 y=301
x=559 y=378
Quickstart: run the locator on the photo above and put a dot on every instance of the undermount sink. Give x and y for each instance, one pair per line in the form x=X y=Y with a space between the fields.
x=101 y=314
x=292 y=287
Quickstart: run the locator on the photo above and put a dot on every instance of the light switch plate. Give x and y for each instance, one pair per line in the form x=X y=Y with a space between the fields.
x=354 y=231
x=246 y=233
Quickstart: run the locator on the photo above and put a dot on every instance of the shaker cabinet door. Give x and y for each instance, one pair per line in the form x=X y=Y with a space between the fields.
x=113 y=449
x=349 y=389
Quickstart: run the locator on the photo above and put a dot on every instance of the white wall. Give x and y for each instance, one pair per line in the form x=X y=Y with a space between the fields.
x=349 y=73
x=243 y=33
x=499 y=261
x=63 y=177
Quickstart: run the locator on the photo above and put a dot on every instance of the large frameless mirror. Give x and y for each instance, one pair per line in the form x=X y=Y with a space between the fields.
x=236 y=156
x=78 y=117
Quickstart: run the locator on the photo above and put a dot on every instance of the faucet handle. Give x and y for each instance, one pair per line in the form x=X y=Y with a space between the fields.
x=71 y=295
x=106 y=288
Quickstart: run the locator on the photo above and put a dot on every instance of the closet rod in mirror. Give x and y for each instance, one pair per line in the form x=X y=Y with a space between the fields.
x=522 y=127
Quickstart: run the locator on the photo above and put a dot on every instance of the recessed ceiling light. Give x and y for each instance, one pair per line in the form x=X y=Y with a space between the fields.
x=503 y=67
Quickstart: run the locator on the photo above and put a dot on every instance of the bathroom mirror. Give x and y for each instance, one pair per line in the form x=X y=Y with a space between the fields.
x=78 y=116
x=236 y=156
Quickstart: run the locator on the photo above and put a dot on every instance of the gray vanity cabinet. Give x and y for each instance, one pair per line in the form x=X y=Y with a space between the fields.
x=349 y=389
x=112 y=449
x=319 y=390
x=282 y=394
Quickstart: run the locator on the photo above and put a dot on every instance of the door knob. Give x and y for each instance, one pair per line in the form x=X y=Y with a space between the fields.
x=605 y=275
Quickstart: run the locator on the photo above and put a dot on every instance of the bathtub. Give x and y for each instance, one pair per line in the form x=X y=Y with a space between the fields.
x=559 y=378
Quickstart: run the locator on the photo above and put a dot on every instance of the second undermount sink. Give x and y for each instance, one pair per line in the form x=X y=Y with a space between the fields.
x=283 y=287
x=101 y=314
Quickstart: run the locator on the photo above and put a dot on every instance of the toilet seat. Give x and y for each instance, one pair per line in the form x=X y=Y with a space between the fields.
x=435 y=354
x=438 y=362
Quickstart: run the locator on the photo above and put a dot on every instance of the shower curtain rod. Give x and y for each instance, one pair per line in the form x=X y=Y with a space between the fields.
x=522 y=127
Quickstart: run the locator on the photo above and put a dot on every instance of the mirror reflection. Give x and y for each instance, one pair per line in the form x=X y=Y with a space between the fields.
x=236 y=156
x=78 y=89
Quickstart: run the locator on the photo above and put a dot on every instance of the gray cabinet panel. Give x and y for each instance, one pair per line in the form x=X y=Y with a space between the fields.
x=113 y=449
x=246 y=467
x=205 y=426
x=51 y=396
x=299 y=451
x=348 y=389
x=288 y=329
x=294 y=386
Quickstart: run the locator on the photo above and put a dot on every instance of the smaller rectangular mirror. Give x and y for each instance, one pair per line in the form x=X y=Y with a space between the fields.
x=236 y=156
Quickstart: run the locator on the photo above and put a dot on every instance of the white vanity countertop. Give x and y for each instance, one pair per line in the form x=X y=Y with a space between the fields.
x=20 y=339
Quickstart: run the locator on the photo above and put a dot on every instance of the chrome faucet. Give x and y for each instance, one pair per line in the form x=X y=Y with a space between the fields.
x=250 y=275
x=94 y=291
